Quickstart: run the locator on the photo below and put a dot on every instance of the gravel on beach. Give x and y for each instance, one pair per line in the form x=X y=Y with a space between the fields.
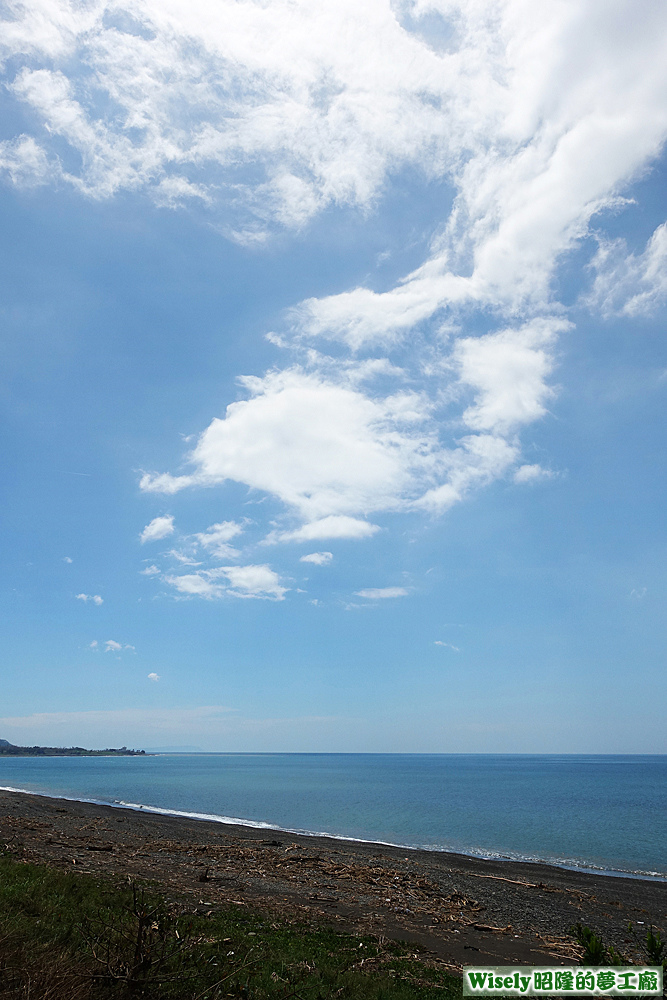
x=463 y=910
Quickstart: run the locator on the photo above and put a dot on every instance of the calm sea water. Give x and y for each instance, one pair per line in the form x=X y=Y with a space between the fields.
x=594 y=812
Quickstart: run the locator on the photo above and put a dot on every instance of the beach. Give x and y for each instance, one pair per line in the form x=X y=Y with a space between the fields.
x=462 y=910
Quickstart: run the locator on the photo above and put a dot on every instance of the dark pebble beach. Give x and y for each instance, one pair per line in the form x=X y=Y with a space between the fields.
x=462 y=910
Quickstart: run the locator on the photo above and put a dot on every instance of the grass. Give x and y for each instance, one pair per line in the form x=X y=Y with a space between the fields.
x=78 y=937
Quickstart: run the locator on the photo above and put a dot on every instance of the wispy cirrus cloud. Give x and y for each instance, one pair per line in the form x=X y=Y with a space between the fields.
x=151 y=570
x=628 y=284
x=324 y=102
x=381 y=593
x=111 y=646
x=335 y=526
x=200 y=553
x=215 y=540
x=281 y=87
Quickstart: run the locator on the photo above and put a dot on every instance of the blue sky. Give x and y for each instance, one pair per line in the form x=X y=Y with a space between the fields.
x=334 y=375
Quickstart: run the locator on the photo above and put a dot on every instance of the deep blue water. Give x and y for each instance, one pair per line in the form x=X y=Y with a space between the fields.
x=595 y=812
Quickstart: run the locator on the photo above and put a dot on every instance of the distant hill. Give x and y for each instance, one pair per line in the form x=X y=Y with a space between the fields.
x=9 y=750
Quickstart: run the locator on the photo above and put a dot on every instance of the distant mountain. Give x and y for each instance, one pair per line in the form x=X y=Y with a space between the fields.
x=10 y=750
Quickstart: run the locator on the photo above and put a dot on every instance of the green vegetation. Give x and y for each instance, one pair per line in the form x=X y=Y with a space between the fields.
x=653 y=946
x=84 y=938
x=9 y=750
x=595 y=951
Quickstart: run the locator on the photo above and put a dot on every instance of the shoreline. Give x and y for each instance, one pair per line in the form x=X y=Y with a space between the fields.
x=462 y=909
x=237 y=822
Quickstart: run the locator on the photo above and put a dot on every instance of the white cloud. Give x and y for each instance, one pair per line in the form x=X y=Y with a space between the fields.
x=25 y=163
x=323 y=448
x=320 y=101
x=196 y=585
x=508 y=372
x=331 y=452
x=164 y=483
x=214 y=543
x=94 y=644
x=552 y=114
x=317 y=558
x=531 y=473
x=111 y=646
x=66 y=559
x=448 y=645
x=479 y=459
x=153 y=677
x=159 y=527
x=183 y=558
x=254 y=581
x=95 y=598
x=333 y=526
x=235 y=581
x=537 y=116
x=150 y=571
x=380 y=593
x=629 y=284
x=216 y=539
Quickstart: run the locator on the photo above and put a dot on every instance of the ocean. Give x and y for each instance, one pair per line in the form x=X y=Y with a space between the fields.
x=596 y=813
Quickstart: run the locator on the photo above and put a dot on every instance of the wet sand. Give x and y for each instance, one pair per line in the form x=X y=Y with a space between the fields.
x=464 y=911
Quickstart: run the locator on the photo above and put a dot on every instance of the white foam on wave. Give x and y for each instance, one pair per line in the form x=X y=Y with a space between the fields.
x=211 y=817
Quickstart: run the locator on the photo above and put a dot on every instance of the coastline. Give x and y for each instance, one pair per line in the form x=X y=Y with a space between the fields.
x=233 y=821
x=461 y=908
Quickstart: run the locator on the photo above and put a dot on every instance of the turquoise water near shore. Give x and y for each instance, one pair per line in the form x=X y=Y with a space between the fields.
x=601 y=813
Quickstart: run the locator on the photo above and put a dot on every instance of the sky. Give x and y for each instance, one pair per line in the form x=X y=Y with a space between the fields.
x=334 y=375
